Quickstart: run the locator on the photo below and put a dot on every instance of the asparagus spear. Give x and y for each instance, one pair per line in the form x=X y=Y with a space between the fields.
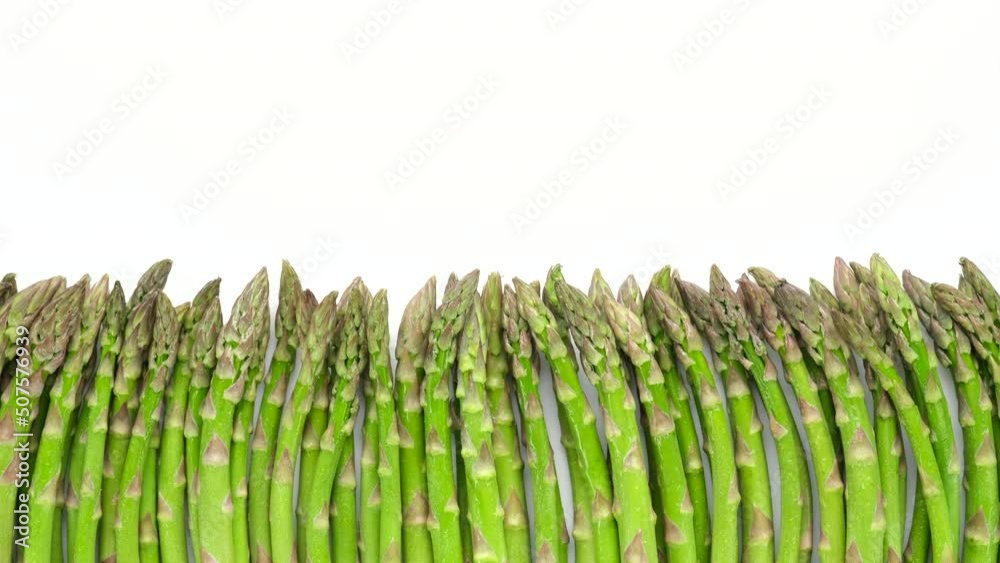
x=293 y=421
x=202 y=367
x=590 y=480
x=391 y=518
x=945 y=549
x=665 y=458
x=975 y=284
x=865 y=532
x=925 y=383
x=602 y=364
x=162 y=355
x=748 y=438
x=290 y=321
x=549 y=526
x=149 y=539
x=371 y=491
x=153 y=280
x=443 y=519
x=732 y=312
x=173 y=479
x=47 y=478
x=509 y=465
x=118 y=342
x=410 y=361
x=858 y=300
x=242 y=425
x=235 y=350
x=39 y=353
x=982 y=514
x=558 y=349
x=344 y=518
x=8 y=287
x=333 y=463
x=316 y=424
x=778 y=330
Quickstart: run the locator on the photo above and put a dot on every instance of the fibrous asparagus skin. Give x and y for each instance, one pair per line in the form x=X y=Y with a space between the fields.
x=779 y=333
x=173 y=479
x=664 y=451
x=115 y=337
x=293 y=420
x=507 y=454
x=160 y=365
x=203 y=361
x=350 y=361
x=371 y=491
x=601 y=362
x=866 y=524
x=687 y=434
x=731 y=311
x=443 y=517
x=344 y=518
x=982 y=514
x=47 y=477
x=751 y=462
x=945 y=548
x=859 y=301
x=549 y=526
x=580 y=425
x=236 y=347
x=39 y=353
x=410 y=348
x=391 y=517
x=715 y=425
x=290 y=321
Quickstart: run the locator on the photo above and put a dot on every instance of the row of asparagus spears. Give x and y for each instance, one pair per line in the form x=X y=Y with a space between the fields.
x=140 y=430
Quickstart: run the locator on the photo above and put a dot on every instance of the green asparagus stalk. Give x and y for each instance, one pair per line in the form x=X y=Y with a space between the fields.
x=507 y=453
x=47 y=478
x=162 y=355
x=731 y=310
x=976 y=285
x=665 y=459
x=858 y=300
x=349 y=363
x=371 y=491
x=149 y=539
x=293 y=420
x=577 y=420
x=443 y=519
x=21 y=310
x=945 y=548
x=982 y=513
x=391 y=518
x=316 y=424
x=37 y=353
x=748 y=435
x=173 y=479
x=778 y=330
x=235 y=351
x=203 y=361
x=552 y=337
x=602 y=364
x=486 y=513
x=925 y=383
x=410 y=362
x=865 y=532
x=118 y=342
x=153 y=280
x=239 y=468
x=290 y=321
x=550 y=533
x=344 y=517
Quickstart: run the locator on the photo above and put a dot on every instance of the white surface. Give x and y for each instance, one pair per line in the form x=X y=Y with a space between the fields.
x=672 y=131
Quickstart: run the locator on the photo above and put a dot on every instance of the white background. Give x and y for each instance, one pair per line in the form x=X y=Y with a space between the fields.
x=896 y=73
